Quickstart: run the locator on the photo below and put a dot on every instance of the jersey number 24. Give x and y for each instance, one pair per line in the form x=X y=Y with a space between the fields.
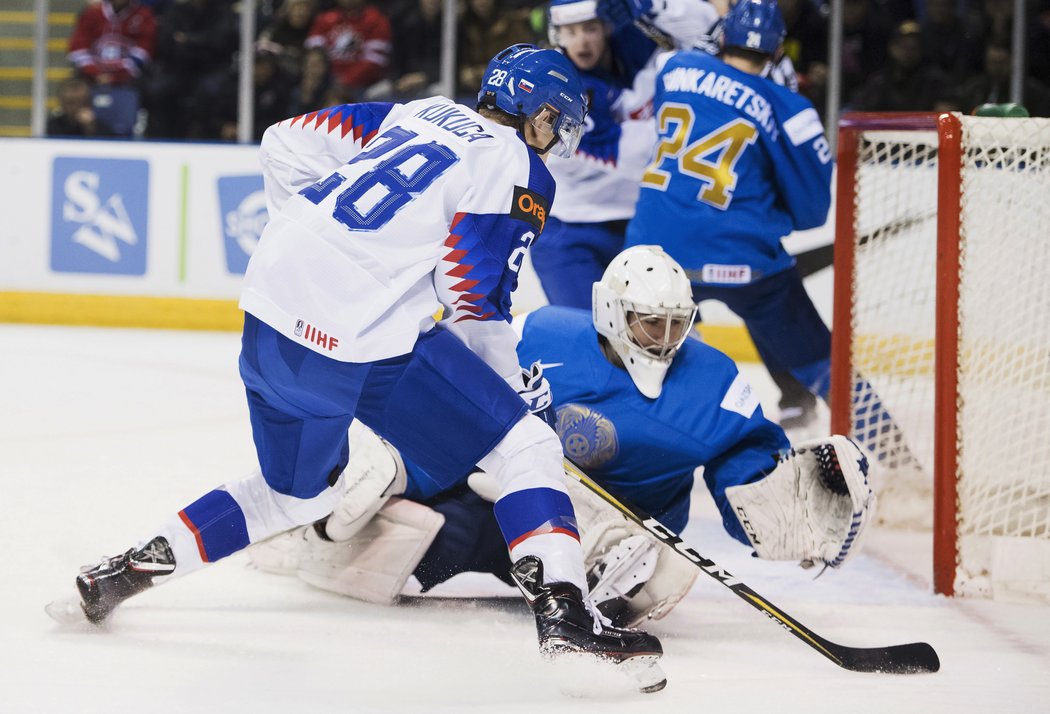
x=374 y=198
x=711 y=159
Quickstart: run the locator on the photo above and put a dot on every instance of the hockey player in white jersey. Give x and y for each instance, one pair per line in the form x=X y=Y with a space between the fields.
x=598 y=185
x=382 y=215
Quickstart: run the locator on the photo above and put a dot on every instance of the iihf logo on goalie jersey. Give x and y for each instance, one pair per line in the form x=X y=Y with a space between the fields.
x=99 y=215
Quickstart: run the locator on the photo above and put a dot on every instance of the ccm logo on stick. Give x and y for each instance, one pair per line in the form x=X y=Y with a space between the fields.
x=529 y=207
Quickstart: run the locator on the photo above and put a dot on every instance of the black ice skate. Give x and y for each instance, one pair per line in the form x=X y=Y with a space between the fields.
x=104 y=586
x=565 y=626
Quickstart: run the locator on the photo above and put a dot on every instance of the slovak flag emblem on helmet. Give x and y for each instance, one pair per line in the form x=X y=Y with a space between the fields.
x=525 y=85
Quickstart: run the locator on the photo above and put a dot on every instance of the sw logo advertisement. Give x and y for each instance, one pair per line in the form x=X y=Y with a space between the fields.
x=99 y=212
x=242 y=203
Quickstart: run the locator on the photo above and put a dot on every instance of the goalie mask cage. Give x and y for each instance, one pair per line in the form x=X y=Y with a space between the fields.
x=941 y=337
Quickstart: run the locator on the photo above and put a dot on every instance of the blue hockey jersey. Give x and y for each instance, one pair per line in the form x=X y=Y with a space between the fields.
x=740 y=163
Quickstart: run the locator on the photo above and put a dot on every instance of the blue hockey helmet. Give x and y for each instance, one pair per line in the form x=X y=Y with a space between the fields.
x=523 y=79
x=754 y=25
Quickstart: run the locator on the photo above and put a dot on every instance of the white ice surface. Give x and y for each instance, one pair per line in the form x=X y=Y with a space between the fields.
x=104 y=433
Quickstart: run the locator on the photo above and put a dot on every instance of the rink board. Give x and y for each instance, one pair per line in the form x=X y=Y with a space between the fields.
x=158 y=234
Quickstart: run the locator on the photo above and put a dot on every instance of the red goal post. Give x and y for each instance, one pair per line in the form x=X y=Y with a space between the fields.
x=942 y=238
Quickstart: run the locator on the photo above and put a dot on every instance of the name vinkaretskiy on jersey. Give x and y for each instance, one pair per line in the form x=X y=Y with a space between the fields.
x=740 y=163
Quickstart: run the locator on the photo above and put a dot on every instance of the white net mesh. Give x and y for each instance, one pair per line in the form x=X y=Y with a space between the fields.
x=1004 y=336
x=893 y=317
x=1003 y=439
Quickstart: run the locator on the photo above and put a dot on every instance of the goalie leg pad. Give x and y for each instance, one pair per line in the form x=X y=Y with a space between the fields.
x=813 y=507
x=374 y=473
x=375 y=563
x=278 y=555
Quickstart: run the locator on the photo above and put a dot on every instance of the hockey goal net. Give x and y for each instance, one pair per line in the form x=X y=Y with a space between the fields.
x=941 y=339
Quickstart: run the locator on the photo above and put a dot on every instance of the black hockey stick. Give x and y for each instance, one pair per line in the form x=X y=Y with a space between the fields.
x=912 y=658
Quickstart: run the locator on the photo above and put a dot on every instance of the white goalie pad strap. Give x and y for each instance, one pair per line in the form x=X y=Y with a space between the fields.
x=485 y=485
x=813 y=507
x=375 y=473
x=610 y=540
x=278 y=555
x=375 y=563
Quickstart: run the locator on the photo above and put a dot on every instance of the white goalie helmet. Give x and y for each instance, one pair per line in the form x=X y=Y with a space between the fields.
x=644 y=306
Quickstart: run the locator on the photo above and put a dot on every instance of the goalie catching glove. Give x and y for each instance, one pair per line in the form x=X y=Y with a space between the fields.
x=813 y=507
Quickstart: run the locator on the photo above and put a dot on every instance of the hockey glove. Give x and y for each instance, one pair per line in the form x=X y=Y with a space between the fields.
x=813 y=507
x=537 y=394
x=620 y=13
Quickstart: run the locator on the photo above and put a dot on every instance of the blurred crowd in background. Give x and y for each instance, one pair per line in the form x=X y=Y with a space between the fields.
x=168 y=69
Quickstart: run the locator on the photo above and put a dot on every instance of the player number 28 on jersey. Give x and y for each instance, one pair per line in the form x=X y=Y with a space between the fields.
x=375 y=198
x=711 y=159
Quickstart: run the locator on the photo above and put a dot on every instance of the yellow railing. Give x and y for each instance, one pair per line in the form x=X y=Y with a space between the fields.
x=55 y=45
x=24 y=103
x=26 y=43
x=26 y=17
x=27 y=73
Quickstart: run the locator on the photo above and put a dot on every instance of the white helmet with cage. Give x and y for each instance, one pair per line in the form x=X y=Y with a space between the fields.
x=643 y=306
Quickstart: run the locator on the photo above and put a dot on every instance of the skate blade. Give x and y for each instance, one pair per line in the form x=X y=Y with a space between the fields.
x=66 y=611
x=646 y=672
x=588 y=676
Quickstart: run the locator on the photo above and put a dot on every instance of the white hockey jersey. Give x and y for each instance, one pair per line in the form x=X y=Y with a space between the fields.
x=382 y=215
x=600 y=182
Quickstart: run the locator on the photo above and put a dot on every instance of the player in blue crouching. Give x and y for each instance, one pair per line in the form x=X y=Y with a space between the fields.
x=640 y=406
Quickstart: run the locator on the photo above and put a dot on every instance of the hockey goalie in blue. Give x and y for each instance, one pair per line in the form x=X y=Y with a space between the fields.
x=640 y=404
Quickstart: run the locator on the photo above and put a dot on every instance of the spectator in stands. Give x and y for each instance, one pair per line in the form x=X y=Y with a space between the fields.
x=315 y=79
x=905 y=83
x=865 y=34
x=286 y=35
x=196 y=40
x=112 y=41
x=272 y=90
x=486 y=27
x=990 y=20
x=993 y=84
x=1039 y=41
x=416 y=61
x=111 y=44
x=357 y=38
x=946 y=42
x=806 y=43
x=76 y=116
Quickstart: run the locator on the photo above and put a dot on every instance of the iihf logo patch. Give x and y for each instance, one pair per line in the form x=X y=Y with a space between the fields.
x=588 y=436
x=299 y=324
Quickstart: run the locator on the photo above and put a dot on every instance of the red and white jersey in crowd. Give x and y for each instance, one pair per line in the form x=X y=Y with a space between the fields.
x=119 y=44
x=382 y=215
x=357 y=43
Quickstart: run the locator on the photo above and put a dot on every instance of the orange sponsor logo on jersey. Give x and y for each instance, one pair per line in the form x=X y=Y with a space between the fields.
x=527 y=204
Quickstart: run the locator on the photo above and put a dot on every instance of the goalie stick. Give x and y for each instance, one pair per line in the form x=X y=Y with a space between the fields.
x=912 y=658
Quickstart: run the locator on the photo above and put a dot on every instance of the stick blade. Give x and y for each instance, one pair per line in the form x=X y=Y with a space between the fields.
x=912 y=658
